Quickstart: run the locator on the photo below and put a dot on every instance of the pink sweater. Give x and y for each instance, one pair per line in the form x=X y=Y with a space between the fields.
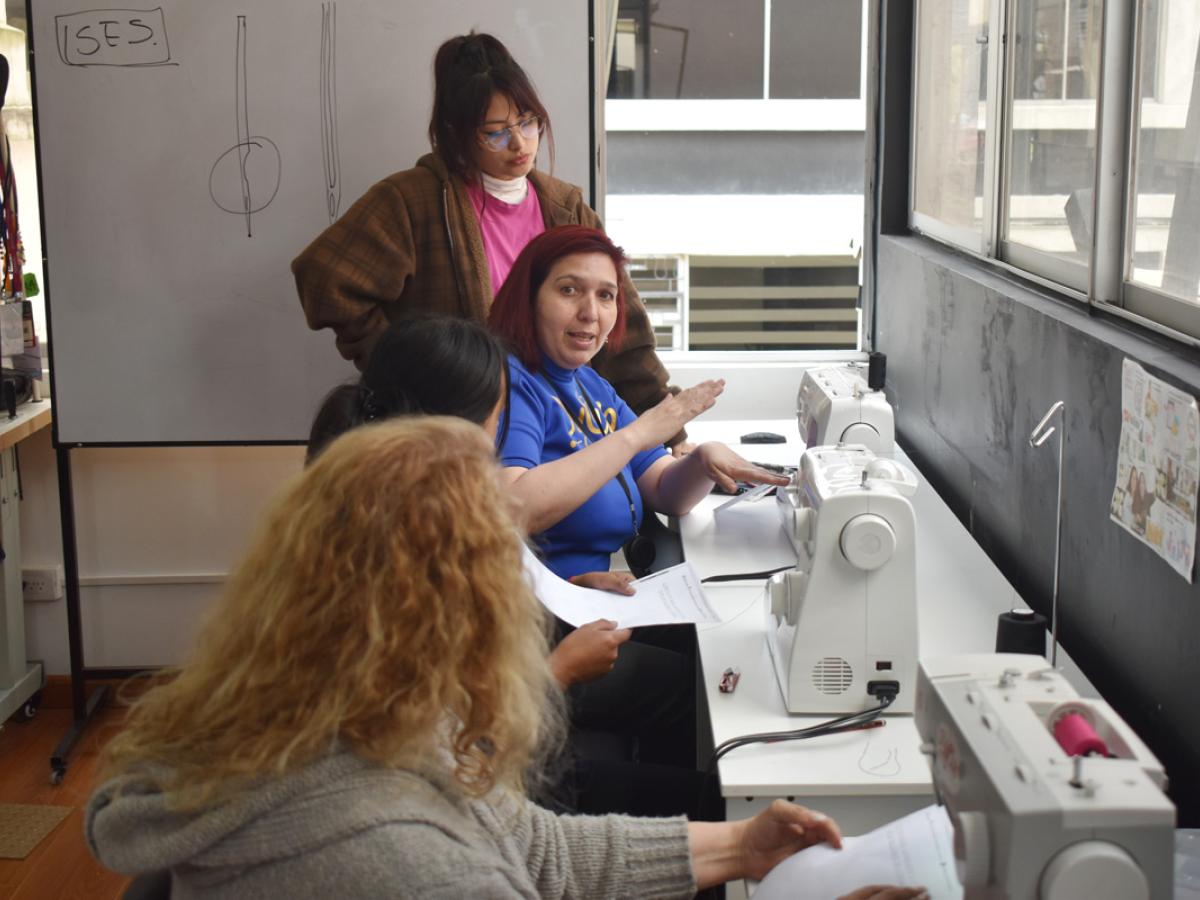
x=506 y=228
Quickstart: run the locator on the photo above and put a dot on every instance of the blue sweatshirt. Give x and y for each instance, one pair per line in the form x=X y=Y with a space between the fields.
x=540 y=431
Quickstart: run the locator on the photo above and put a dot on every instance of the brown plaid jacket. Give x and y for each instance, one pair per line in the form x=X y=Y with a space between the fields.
x=412 y=244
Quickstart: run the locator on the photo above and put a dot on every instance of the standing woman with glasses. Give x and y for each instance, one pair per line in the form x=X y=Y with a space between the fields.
x=441 y=237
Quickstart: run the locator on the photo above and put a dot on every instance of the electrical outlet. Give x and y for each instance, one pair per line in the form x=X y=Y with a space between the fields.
x=42 y=584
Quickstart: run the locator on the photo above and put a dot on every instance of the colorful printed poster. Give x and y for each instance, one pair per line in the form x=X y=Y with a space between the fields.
x=1158 y=467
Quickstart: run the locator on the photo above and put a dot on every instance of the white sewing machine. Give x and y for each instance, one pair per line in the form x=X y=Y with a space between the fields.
x=1031 y=820
x=846 y=617
x=836 y=405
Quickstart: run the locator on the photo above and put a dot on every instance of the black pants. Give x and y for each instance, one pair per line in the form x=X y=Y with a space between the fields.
x=648 y=698
x=633 y=734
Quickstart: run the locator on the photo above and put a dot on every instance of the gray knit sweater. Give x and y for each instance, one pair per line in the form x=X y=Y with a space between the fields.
x=345 y=828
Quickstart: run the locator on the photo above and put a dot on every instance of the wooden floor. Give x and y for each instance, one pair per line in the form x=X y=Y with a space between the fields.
x=60 y=866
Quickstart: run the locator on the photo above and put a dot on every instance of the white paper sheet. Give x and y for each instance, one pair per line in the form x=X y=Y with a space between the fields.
x=751 y=496
x=917 y=850
x=1158 y=467
x=672 y=596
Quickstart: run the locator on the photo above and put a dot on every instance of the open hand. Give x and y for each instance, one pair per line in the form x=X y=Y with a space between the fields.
x=614 y=582
x=663 y=421
x=779 y=831
x=587 y=652
x=885 y=892
x=726 y=468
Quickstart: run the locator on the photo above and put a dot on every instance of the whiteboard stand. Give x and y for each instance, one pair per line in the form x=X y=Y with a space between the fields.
x=83 y=706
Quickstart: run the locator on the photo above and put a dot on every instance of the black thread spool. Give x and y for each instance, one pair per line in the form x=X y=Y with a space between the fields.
x=1021 y=631
x=876 y=370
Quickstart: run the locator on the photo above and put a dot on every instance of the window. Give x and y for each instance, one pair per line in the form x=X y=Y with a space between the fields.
x=688 y=49
x=734 y=169
x=1051 y=159
x=1163 y=261
x=1022 y=117
x=815 y=50
x=951 y=109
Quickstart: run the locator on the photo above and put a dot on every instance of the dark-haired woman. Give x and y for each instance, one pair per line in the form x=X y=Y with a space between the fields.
x=436 y=365
x=441 y=237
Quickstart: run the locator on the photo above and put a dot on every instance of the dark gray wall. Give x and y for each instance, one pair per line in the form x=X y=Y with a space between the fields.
x=730 y=162
x=974 y=360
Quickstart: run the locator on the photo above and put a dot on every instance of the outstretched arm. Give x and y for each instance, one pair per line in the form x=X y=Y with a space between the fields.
x=552 y=491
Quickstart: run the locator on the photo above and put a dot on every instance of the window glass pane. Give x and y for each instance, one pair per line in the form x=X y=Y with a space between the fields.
x=1052 y=157
x=688 y=49
x=951 y=95
x=742 y=221
x=816 y=49
x=1166 y=228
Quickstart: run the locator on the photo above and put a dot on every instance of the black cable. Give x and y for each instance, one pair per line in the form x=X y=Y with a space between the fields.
x=747 y=576
x=848 y=722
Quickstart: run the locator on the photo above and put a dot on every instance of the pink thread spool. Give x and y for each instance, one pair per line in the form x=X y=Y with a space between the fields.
x=1077 y=736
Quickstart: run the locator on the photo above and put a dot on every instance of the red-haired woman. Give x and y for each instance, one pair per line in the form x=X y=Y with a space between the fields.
x=582 y=464
x=581 y=461
x=440 y=237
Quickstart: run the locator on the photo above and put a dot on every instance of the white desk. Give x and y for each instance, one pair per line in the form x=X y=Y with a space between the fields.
x=862 y=779
x=19 y=678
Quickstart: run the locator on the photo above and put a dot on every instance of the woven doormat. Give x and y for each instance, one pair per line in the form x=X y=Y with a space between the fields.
x=22 y=827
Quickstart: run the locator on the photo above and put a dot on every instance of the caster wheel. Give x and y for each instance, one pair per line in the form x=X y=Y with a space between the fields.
x=57 y=776
x=30 y=708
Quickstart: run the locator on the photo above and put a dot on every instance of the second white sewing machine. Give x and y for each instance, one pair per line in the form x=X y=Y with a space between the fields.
x=842 y=626
x=845 y=404
x=1052 y=796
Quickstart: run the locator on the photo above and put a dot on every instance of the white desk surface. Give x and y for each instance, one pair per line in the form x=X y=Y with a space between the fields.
x=960 y=594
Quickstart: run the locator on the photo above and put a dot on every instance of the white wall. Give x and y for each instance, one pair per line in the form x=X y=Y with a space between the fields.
x=157 y=529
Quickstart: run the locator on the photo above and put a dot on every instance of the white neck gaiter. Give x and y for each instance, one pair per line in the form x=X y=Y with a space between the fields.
x=510 y=191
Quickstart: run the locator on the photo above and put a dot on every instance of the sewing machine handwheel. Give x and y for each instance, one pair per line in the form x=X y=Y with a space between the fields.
x=868 y=541
x=1098 y=870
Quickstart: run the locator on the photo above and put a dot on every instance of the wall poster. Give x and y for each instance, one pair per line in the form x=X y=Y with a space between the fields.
x=1158 y=467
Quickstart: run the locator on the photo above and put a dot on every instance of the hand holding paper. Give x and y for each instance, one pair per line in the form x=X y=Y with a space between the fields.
x=917 y=849
x=587 y=652
x=672 y=596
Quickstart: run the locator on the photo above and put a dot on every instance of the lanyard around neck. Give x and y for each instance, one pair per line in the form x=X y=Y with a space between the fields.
x=593 y=417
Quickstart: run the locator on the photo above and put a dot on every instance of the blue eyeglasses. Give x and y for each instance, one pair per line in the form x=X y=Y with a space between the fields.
x=501 y=139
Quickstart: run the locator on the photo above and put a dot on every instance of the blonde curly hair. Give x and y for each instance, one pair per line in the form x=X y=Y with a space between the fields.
x=382 y=607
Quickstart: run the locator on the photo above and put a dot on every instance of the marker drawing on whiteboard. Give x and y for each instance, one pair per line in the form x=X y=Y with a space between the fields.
x=248 y=171
x=329 y=131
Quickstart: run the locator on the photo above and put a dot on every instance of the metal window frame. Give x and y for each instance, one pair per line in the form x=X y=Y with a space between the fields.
x=1071 y=274
x=1113 y=175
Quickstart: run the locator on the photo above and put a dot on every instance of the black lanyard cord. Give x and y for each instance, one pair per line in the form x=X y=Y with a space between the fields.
x=593 y=417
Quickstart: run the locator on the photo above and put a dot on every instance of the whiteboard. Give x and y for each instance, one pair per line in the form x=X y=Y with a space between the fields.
x=189 y=151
